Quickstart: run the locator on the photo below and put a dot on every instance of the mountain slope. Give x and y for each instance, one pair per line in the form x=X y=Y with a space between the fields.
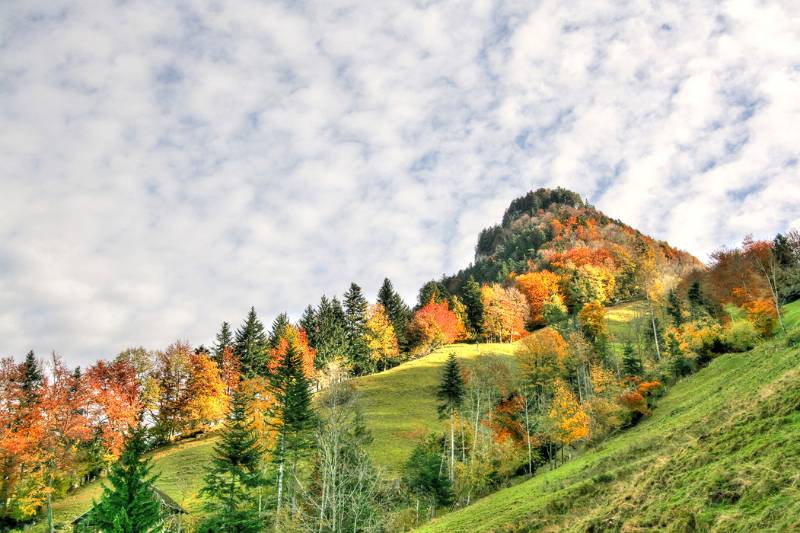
x=721 y=452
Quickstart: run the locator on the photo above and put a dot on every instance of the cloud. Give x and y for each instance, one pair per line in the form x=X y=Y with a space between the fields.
x=167 y=165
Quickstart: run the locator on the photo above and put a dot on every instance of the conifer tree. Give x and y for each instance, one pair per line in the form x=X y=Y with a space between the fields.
x=250 y=346
x=471 y=296
x=224 y=340
x=451 y=397
x=631 y=364
x=398 y=312
x=279 y=326
x=32 y=379
x=234 y=474
x=308 y=322
x=355 y=314
x=291 y=418
x=674 y=308
x=331 y=335
x=129 y=503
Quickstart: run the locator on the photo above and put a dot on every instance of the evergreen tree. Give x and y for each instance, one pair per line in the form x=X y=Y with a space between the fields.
x=471 y=296
x=451 y=397
x=129 y=504
x=224 y=340
x=291 y=418
x=674 y=308
x=279 y=326
x=398 y=312
x=250 y=346
x=697 y=300
x=355 y=314
x=631 y=364
x=331 y=335
x=308 y=322
x=234 y=474
x=432 y=290
x=31 y=380
x=422 y=474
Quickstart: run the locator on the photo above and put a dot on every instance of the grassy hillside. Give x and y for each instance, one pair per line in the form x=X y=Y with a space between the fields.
x=721 y=452
x=398 y=406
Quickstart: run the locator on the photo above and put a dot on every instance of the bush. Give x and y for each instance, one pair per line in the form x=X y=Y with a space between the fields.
x=741 y=336
x=793 y=338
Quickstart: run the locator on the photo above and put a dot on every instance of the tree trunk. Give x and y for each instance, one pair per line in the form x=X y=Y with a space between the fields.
x=528 y=438
x=655 y=331
x=452 y=446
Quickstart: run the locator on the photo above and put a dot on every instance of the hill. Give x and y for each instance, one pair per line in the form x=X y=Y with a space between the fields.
x=721 y=452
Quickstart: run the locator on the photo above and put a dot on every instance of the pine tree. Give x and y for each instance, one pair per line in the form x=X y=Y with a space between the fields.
x=234 y=474
x=451 y=397
x=31 y=380
x=631 y=364
x=308 y=322
x=331 y=335
x=279 y=326
x=398 y=312
x=250 y=346
x=674 y=308
x=129 y=503
x=422 y=473
x=471 y=296
x=355 y=314
x=432 y=290
x=696 y=299
x=291 y=418
x=224 y=340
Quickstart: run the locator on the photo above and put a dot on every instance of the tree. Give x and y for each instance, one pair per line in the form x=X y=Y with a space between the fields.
x=128 y=503
x=505 y=312
x=355 y=314
x=205 y=390
x=234 y=474
x=570 y=420
x=398 y=312
x=451 y=397
x=279 y=326
x=308 y=323
x=291 y=418
x=291 y=336
x=592 y=320
x=674 y=308
x=381 y=339
x=435 y=324
x=250 y=346
x=32 y=380
x=761 y=254
x=422 y=474
x=471 y=296
x=432 y=291
x=631 y=364
x=331 y=336
x=172 y=373
x=539 y=288
x=113 y=402
x=224 y=340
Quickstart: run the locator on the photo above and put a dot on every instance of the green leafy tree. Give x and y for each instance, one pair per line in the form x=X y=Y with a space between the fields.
x=128 y=504
x=250 y=347
x=291 y=418
x=451 y=397
x=355 y=313
x=398 y=312
x=471 y=297
x=235 y=474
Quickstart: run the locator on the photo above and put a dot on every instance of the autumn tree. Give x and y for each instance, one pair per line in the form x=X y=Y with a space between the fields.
x=381 y=339
x=570 y=421
x=250 y=346
x=113 y=403
x=539 y=288
x=206 y=393
x=435 y=324
x=592 y=320
x=505 y=312
x=296 y=338
x=762 y=255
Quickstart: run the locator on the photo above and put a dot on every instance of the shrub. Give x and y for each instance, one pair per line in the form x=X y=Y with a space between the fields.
x=741 y=336
x=793 y=338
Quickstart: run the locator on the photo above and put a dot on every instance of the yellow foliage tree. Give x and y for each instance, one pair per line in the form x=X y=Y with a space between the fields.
x=569 y=419
x=381 y=338
x=207 y=400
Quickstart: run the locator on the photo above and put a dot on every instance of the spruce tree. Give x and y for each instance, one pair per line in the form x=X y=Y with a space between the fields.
x=355 y=314
x=32 y=379
x=674 y=308
x=250 y=346
x=451 y=397
x=224 y=340
x=432 y=291
x=631 y=364
x=471 y=296
x=331 y=336
x=291 y=418
x=398 y=312
x=308 y=322
x=279 y=326
x=129 y=504
x=234 y=474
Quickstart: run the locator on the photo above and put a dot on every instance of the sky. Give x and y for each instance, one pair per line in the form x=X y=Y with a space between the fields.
x=164 y=165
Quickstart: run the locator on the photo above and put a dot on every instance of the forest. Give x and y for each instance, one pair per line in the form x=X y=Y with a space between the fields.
x=293 y=450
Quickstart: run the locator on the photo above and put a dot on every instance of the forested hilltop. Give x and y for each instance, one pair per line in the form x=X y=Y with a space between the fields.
x=379 y=415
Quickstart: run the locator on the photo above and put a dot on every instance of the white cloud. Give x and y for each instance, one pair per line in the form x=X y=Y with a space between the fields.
x=166 y=165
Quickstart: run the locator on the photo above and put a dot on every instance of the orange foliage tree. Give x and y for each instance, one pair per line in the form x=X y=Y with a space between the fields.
x=539 y=287
x=434 y=324
x=113 y=402
x=297 y=338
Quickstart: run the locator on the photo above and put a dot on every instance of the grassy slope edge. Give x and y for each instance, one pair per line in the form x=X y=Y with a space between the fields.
x=721 y=452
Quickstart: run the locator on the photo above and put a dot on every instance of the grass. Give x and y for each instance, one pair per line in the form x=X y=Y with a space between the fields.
x=720 y=453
